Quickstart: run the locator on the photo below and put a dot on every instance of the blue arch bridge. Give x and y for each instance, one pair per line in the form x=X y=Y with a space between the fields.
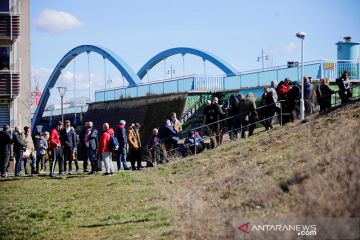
x=190 y=88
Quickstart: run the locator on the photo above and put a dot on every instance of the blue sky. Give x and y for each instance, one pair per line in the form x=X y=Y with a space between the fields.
x=234 y=30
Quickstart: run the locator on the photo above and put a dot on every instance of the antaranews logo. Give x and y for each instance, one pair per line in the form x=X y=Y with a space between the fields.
x=244 y=228
x=300 y=229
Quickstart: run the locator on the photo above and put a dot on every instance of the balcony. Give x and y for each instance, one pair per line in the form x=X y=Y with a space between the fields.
x=9 y=26
x=9 y=83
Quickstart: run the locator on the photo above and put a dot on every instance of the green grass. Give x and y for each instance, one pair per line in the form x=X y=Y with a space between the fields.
x=274 y=173
x=124 y=206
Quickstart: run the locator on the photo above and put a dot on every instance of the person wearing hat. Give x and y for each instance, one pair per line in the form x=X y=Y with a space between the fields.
x=68 y=142
x=56 y=149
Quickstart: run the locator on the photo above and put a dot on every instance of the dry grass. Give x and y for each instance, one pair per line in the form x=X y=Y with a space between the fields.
x=309 y=169
x=306 y=169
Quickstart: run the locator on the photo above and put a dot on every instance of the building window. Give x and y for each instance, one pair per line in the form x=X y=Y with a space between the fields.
x=4 y=58
x=4 y=6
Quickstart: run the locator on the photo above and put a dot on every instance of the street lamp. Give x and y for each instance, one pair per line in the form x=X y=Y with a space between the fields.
x=171 y=71
x=62 y=91
x=39 y=128
x=302 y=35
x=266 y=57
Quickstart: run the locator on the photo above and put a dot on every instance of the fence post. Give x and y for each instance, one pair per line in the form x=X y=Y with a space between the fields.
x=195 y=144
x=281 y=117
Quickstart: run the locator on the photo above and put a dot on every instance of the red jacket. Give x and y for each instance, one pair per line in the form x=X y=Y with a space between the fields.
x=282 y=91
x=104 y=140
x=54 y=138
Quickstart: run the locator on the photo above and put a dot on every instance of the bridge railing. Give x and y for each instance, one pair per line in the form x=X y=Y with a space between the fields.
x=249 y=79
x=333 y=69
x=216 y=130
x=174 y=85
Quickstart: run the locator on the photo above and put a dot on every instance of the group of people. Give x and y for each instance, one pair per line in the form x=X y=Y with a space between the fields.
x=22 y=145
x=238 y=114
x=62 y=146
x=241 y=114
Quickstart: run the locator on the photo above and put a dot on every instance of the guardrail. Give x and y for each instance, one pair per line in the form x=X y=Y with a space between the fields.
x=314 y=69
x=224 y=129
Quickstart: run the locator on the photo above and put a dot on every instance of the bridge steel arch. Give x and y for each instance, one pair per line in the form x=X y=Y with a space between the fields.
x=221 y=64
x=120 y=64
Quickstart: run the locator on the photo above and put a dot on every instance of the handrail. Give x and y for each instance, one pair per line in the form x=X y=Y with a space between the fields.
x=194 y=107
x=183 y=133
x=221 y=120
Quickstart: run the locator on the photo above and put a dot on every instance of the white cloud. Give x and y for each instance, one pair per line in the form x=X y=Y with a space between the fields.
x=67 y=75
x=54 y=21
x=289 y=48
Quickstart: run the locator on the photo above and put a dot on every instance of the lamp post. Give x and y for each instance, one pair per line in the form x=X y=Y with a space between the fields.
x=302 y=35
x=62 y=91
x=171 y=71
x=39 y=128
x=263 y=57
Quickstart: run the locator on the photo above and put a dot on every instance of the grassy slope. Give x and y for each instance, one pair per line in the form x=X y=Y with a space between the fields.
x=274 y=173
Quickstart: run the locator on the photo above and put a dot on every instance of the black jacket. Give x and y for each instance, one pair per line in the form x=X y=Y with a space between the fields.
x=93 y=139
x=324 y=91
x=19 y=142
x=5 y=141
x=121 y=136
x=68 y=139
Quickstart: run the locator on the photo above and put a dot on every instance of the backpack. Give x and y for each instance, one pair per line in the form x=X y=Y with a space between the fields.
x=113 y=143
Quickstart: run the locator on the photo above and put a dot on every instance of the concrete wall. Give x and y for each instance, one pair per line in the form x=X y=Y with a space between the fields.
x=20 y=113
x=23 y=101
x=149 y=111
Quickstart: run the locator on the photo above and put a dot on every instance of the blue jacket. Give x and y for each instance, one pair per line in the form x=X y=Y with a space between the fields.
x=308 y=88
x=41 y=146
x=154 y=141
x=68 y=139
x=167 y=134
x=121 y=136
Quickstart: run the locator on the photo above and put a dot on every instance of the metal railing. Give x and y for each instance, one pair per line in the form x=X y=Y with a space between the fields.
x=192 y=109
x=224 y=129
x=333 y=69
x=247 y=79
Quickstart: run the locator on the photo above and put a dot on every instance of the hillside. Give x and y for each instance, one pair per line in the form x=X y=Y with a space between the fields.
x=308 y=169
